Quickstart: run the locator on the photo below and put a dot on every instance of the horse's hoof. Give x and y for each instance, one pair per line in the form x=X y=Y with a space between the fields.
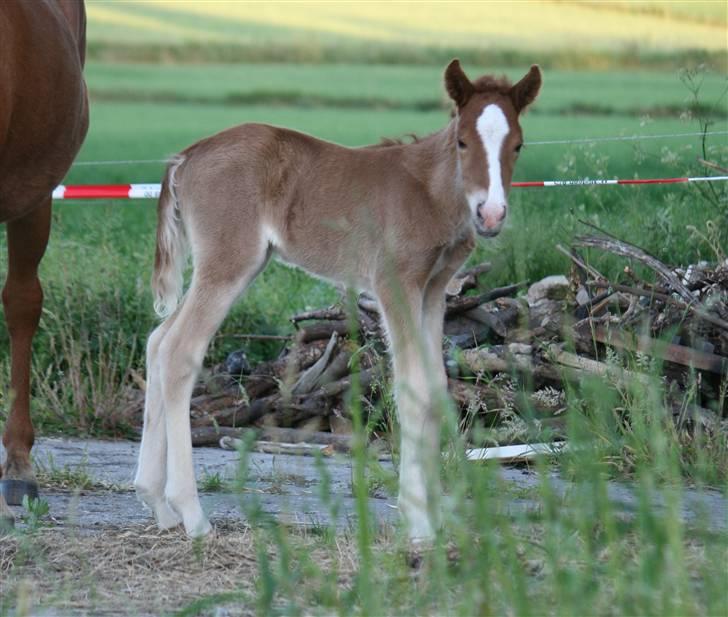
x=419 y=551
x=14 y=490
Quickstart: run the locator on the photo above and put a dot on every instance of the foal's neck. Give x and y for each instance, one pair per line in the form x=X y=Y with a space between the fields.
x=433 y=160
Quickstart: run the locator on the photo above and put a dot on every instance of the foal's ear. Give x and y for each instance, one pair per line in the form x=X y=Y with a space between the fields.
x=457 y=83
x=525 y=91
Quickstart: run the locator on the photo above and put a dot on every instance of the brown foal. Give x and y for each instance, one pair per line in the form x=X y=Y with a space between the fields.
x=43 y=121
x=397 y=221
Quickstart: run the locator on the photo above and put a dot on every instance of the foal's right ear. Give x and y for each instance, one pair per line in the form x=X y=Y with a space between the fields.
x=457 y=84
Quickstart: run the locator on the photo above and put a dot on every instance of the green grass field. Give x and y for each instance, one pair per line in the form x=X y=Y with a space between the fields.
x=576 y=555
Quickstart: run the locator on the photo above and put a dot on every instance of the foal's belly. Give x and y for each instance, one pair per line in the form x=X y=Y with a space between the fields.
x=338 y=271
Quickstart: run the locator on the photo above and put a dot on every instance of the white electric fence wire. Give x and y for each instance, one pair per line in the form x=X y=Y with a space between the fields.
x=585 y=140
x=623 y=138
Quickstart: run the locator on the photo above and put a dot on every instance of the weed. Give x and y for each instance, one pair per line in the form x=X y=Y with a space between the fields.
x=35 y=511
x=70 y=477
x=212 y=482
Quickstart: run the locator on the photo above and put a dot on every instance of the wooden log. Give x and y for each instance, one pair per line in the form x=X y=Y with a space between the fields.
x=501 y=316
x=322 y=330
x=467 y=333
x=268 y=375
x=288 y=410
x=619 y=247
x=337 y=368
x=697 y=310
x=669 y=352
x=466 y=303
x=466 y=280
x=495 y=399
x=468 y=394
x=309 y=378
x=334 y=312
x=577 y=367
x=210 y=436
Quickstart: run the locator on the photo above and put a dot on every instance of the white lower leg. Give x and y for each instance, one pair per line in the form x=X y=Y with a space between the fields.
x=419 y=478
x=181 y=489
x=151 y=474
x=180 y=357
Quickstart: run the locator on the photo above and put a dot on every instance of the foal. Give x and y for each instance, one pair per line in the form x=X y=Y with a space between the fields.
x=397 y=221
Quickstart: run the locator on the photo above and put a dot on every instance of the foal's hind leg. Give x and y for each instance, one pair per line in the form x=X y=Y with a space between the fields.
x=151 y=475
x=23 y=299
x=180 y=357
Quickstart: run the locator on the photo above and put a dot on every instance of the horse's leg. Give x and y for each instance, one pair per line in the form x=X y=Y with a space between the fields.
x=433 y=316
x=22 y=298
x=181 y=352
x=151 y=475
x=419 y=482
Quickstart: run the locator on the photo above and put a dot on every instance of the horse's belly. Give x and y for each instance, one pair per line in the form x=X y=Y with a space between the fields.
x=332 y=269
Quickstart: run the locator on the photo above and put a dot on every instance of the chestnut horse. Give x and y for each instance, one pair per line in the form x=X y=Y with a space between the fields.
x=395 y=220
x=43 y=121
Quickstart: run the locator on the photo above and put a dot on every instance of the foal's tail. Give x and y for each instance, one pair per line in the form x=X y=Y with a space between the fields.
x=172 y=245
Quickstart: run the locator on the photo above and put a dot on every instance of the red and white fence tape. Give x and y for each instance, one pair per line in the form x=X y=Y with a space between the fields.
x=600 y=182
x=107 y=191
x=151 y=191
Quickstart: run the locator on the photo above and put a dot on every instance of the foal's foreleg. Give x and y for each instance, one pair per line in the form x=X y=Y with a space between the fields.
x=419 y=481
x=433 y=317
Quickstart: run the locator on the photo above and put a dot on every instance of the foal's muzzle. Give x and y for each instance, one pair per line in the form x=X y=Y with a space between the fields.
x=489 y=219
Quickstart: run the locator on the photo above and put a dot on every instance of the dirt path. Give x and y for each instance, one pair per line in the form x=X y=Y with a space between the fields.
x=286 y=486
x=100 y=552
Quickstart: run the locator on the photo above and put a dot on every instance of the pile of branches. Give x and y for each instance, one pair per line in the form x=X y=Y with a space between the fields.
x=509 y=354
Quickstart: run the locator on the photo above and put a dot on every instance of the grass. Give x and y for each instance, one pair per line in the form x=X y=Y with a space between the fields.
x=71 y=477
x=379 y=86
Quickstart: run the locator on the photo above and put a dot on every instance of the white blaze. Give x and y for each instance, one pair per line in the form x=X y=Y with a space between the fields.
x=493 y=127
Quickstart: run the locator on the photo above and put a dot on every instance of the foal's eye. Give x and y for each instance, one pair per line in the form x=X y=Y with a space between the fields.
x=518 y=148
x=461 y=144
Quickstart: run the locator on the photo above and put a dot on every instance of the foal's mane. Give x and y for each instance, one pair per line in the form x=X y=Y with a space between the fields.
x=405 y=140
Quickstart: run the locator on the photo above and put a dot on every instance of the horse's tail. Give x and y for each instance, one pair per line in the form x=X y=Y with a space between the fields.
x=172 y=245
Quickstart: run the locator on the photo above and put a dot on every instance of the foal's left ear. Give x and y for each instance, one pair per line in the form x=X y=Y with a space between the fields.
x=525 y=91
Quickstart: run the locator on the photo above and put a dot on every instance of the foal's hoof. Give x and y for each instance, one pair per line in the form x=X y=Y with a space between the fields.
x=14 y=490
x=419 y=552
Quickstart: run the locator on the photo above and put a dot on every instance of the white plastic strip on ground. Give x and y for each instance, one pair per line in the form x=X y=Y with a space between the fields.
x=518 y=452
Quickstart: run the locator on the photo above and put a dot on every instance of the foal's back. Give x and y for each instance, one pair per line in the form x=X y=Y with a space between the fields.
x=322 y=206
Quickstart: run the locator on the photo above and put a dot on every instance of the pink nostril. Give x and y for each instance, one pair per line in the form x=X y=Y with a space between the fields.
x=491 y=216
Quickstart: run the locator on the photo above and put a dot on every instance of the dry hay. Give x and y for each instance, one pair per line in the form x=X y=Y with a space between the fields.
x=125 y=570
x=140 y=570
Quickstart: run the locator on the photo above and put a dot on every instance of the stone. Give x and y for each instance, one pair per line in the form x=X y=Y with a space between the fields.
x=555 y=287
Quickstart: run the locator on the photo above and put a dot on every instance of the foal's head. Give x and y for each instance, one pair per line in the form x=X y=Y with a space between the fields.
x=489 y=139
